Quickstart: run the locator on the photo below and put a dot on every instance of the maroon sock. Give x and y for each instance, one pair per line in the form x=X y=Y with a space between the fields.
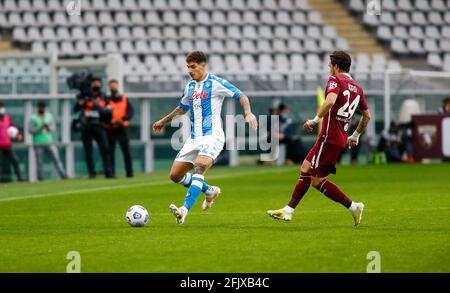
x=333 y=192
x=300 y=189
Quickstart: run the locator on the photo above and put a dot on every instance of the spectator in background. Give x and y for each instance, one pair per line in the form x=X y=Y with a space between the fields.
x=396 y=145
x=8 y=132
x=92 y=116
x=117 y=128
x=295 y=152
x=445 y=109
x=41 y=126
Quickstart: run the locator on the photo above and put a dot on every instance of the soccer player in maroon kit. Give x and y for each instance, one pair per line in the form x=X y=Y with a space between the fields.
x=343 y=97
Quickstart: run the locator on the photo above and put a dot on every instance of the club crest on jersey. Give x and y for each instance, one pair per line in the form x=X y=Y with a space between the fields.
x=332 y=85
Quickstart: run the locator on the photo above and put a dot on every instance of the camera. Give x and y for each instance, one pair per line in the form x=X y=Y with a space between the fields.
x=82 y=83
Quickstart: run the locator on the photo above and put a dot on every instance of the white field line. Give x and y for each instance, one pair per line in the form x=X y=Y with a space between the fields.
x=123 y=186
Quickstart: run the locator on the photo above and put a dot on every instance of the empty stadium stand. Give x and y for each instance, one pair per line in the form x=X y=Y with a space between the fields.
x=241 y=36
x=411 y=27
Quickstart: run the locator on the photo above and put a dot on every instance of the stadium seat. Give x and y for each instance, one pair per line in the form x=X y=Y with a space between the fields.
x=28 y=18
x=48 y=33
x=414 y=46
x=432 y=32
x=384 y=32
x=387 y=18
x=248 y=46
x=263 y=46
x=249 y=32
x=248 y=63
x=67 y=48
x=403 y=18
x=249 y=17
x=265 y=63
x=233 y=18
x=138 y=33
x=444 y=45
x=398 y=46
x=438 y=5
x=281 y=32
x=406 y=5
x=218 y=17
x=357 y=5
x=186 y=32
x=435 y=18
x=154 y=33
x=422 y=5
x=96 y=47
x=419 y=18
x=431 y=46
x=416 y=32
x=294 y=45
x=400 y=32
x=19 y=33
x=232 y=46
x=389 y=5
x=187 y=46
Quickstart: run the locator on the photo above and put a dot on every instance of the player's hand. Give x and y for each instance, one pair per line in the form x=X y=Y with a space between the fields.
x=251 y=120
x=158 y=126
x=20 y=136
x=353 y=140
x=309 y=126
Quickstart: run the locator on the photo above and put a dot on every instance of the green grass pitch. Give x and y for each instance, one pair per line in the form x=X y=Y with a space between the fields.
x=407 y=220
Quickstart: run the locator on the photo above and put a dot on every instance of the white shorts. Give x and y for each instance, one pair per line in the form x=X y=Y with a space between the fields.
x=209 y=146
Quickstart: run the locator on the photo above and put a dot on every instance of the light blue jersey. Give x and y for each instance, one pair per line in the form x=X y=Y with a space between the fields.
x=204 y=100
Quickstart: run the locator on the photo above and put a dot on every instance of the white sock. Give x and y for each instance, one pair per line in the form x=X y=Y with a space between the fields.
x=185 y=180
x=352 y=208
x=288 y=209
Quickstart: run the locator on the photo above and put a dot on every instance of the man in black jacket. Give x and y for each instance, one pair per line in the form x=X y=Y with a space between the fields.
x=93 y=114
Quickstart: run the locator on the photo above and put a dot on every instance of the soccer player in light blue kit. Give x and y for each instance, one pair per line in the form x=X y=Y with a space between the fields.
x=203 y=98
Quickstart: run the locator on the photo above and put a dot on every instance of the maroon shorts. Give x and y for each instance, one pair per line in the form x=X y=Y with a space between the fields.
x=323 y=158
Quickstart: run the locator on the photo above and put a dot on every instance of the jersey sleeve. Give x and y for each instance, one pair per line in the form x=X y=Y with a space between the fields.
x=333 y=86
x=184 y=100
x=226 y=89
x=363 y=103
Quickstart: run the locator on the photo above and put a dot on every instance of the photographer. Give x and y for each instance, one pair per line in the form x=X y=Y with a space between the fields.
x=117 y=128
x=93 y=114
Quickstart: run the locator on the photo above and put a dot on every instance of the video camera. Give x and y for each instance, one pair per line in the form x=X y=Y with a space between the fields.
x=81 y=82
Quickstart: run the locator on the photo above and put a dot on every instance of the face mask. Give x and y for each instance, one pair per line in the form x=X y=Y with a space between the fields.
x=2 y=111
x=96 y=89
x=114 y=92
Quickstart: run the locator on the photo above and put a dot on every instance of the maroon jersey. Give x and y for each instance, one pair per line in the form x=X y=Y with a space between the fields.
x=350 y=97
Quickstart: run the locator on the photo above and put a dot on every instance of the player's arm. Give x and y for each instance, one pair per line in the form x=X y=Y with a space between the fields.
x=159 y=125
x=249 y=117
x=323 y=110
x=363 y=122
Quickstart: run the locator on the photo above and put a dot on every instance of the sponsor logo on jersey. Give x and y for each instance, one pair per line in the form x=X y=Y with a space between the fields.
x=198 y=96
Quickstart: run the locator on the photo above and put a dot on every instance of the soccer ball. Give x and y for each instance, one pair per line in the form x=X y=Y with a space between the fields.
x=13 y=132
x=137 y=216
